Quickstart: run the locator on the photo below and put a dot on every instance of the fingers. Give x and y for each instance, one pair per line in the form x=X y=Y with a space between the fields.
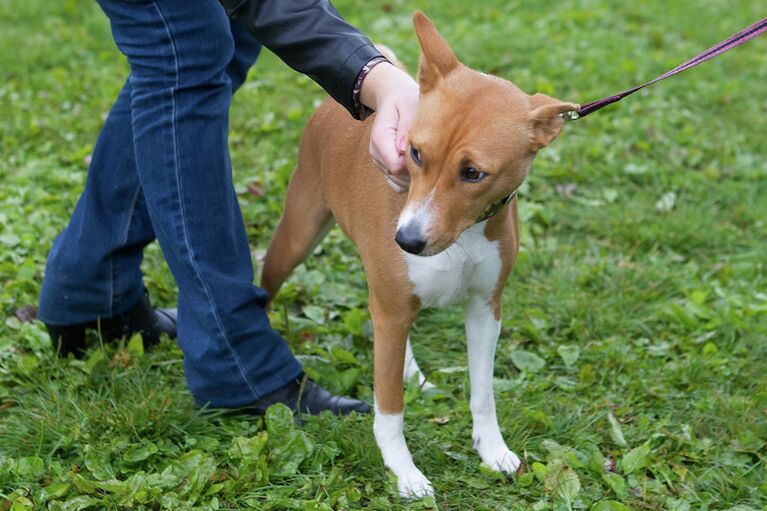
x=383 y=140
x=387 y=140
x=395 y=97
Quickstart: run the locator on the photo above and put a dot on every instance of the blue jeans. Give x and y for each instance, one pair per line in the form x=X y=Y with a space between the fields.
x=161 y=169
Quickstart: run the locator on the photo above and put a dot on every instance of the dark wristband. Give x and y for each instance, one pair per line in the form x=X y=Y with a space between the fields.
x=361 y=111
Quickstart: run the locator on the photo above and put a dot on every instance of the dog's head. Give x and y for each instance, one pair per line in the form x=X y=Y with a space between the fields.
x=472 y=143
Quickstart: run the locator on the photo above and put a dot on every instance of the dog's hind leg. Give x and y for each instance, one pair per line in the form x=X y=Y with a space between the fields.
x=412 y=369
x=304 y=223
x=482 y=331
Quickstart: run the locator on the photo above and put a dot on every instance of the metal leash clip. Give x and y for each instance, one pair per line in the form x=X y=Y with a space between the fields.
x=571 y=115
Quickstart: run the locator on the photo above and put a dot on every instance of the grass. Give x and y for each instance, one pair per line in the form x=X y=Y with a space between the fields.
x=635 y=320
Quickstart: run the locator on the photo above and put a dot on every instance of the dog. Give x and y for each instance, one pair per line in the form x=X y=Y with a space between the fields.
x=454 y=237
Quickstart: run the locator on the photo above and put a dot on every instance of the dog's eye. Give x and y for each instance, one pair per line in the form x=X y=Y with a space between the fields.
x=472 y=175
x=415 y=154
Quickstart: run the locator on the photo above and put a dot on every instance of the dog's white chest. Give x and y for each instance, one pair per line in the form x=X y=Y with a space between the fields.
x=469 y=267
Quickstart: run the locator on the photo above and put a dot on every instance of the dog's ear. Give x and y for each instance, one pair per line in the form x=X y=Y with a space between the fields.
x=546 y=118
x=437 y=59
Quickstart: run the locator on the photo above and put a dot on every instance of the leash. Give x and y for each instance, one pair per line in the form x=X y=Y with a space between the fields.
x=728 y=44
x=745 y=35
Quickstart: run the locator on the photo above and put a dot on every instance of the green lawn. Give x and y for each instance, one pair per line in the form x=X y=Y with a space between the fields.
x=635 y=321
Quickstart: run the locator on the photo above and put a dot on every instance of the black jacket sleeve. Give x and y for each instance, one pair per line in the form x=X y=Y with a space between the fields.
x=311 y=37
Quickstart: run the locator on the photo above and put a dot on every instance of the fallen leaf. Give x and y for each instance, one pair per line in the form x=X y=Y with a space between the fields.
x=255 y=189
x=27 y=313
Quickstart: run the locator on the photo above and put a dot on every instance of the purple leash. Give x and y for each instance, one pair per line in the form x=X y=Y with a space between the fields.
x=741 y=37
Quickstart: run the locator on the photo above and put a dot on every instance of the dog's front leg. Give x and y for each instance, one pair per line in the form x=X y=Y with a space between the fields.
x=482 y=331
x=390 y=329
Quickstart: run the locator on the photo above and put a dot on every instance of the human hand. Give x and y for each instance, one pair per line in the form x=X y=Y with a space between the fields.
x=393 y=94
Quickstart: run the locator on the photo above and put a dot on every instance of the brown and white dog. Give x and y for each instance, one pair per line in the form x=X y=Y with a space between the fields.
x=453 y=238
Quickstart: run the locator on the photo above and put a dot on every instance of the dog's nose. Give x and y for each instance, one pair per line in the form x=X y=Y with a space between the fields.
x=410 y=239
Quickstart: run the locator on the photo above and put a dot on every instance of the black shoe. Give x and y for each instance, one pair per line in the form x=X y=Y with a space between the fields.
x=302 y=395
x=142 y=319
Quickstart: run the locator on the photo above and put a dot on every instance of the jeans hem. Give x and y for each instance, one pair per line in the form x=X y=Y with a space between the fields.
x=277 y=380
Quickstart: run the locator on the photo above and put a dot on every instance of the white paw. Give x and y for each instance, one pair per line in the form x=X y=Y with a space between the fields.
x=494 y=453
x=504 y=461
x=414 y=485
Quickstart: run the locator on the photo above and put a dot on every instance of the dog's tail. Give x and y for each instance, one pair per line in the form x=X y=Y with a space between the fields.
x=390 y=55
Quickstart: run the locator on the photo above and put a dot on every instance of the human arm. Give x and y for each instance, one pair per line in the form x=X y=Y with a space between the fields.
x=313 y=38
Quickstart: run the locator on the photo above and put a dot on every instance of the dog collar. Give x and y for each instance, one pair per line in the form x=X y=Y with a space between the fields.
x=496 y=206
